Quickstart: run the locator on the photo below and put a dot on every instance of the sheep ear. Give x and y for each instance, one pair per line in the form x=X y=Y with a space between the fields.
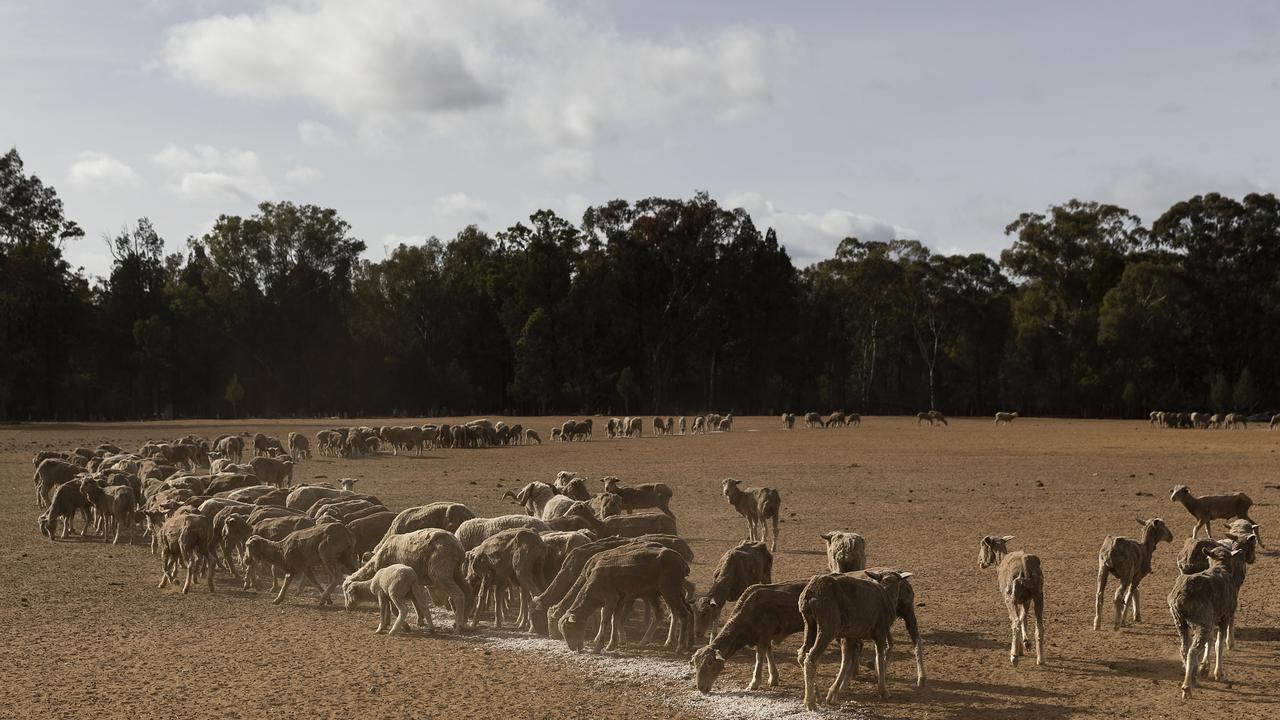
x=1140 y=520
x=904 y=575
x=827 y=536
x=1007 y=538
x=719 y=656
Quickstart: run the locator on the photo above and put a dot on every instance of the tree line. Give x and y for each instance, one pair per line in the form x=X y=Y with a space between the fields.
x=657 y=306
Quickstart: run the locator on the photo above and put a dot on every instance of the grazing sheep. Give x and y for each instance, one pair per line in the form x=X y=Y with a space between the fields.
x=476 y=530
x=923 y=417
x=623 y=525
x=682 y=425
x=435 y=555
x=643 y=571
x=725 y=424
x=846 y=551
x=765 y=614
x=853 y=420
x=849 y=608
x=1006 y=417
x=68 y=499
x=50 y=473
x=758 y=505
x=1207 y=508
x=186 y=538
x=699 y=425
x=510 y=558
x=646 y=495
x=392 y=586
x=1203 y=604
x=788 y=420
x=936 y=417
x=1275 y=422
x=1021 y=583
x=273 y=471
x=555 y=434
x=748 y=564
x=1130 y=561
x=330 y=545
x=299 y=446
x=531 y=435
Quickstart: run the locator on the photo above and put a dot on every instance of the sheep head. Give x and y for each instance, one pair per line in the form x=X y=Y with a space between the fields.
x=1179 y=492
x=573 y=631
x=991 y=549
x=729 y=484
x=707 y=663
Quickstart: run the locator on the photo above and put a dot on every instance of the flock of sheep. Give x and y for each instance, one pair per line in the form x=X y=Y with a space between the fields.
x=1205 y=421
x=573 y=562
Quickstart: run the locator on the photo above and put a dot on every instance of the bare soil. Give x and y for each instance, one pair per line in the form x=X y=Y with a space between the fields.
x=87 y=634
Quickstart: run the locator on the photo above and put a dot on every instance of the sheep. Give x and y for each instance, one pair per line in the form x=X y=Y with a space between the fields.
x=559 y=544
x=682 y=425
x=250 y=493
x=435 y=555
x=835 y=419
x=937 y=417
x=765 y=614
x=812 y=420
x=788 y=420
x=699 y=425
x=1275 y=422
x=1130 y=561
x=369 y=530
x=237 y=530
x=273 y=471
x=1202 y=604
x=391 y=586
x=853 y=420
x=555 y=434
x=68 y=499
x=1006 y=417
x=623 y=525
x=50 y=473
x=923 y=417
x=1194 y=558
x=659 y=427
x=114 y=506
x=1244 y=526
x=1207 y=508
x=476 y=530
x=642 y=572
x=758 y=505
x=647 y=495
x=849 y=608
x=725 y=424
x=531 y=436
x=443 y=515
x=186 y=538
x=331 y=546
x=749 y=563
x=511 y=557
x=304 y=496
x=231 y=447
x=299 y=445
x=533 y=496
x=1021 y=583
x=846 y=551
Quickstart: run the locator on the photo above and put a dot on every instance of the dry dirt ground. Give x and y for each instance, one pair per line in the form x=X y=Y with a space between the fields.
x=87 y=634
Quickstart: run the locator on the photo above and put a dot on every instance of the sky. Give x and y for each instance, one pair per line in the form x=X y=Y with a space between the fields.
x=936 y=121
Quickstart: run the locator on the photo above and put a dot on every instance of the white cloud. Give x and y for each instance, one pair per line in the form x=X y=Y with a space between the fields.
x=302 y=175
x=101 y=171
x=317 y=134
x=458 y=206
x=486 y=67
x=205 y=173
x=1149 y=187
x=813 y=236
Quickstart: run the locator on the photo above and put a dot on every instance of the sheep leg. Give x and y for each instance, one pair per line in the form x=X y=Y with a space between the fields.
x=652 y=610
x=324 y=590
x=186 y=586
x=809 y=660
x=1015 y=647
x=1118 y=601
x=1135 y=600
x=422 y=605
x=401 y=613
x=773 y=668
x=326 y=595
x=758 y=670
x=1219 y=650
x=284 y=589
x=384 y=612
x=442 y=574
x=1039 y=610
x=882 y=666
x=1103 y=576
x=1191 y=662
x=607 y=613
x=774 y=547
x=847 y=654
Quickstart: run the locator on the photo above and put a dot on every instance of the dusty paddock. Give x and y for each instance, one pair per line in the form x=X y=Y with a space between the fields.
x=87 y=634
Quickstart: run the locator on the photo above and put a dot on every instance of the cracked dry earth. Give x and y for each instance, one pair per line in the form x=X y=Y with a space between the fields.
x=87 y=634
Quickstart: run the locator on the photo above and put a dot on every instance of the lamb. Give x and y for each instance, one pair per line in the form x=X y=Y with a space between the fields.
x=646 y=495
x=765 y=614
x=391 y=586
x=623 y=525
x=1130 y=561
x=443 y=515
x=1201 y=604
x=1021 y=583
x=1006 y=417
x=1207 y=508
x=642 y=572
x=476 y=530
x=68 y=499
x=748 y=564
x=849 y=608
x=511 y=557
x=435 y=555
x=330 y=546
x=114 y=505
x=758 y=506
x=186 y=538
x=531 y=436
x=846 y=551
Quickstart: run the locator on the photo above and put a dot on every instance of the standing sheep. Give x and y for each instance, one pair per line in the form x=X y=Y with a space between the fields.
x=1021 y=583
x=1130 y=561
x=1208 y=508
x=1203 y=606
x=391 y=586
x=759 y=506
x=1006 y=417
x=747 y=564
x=846 y=551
